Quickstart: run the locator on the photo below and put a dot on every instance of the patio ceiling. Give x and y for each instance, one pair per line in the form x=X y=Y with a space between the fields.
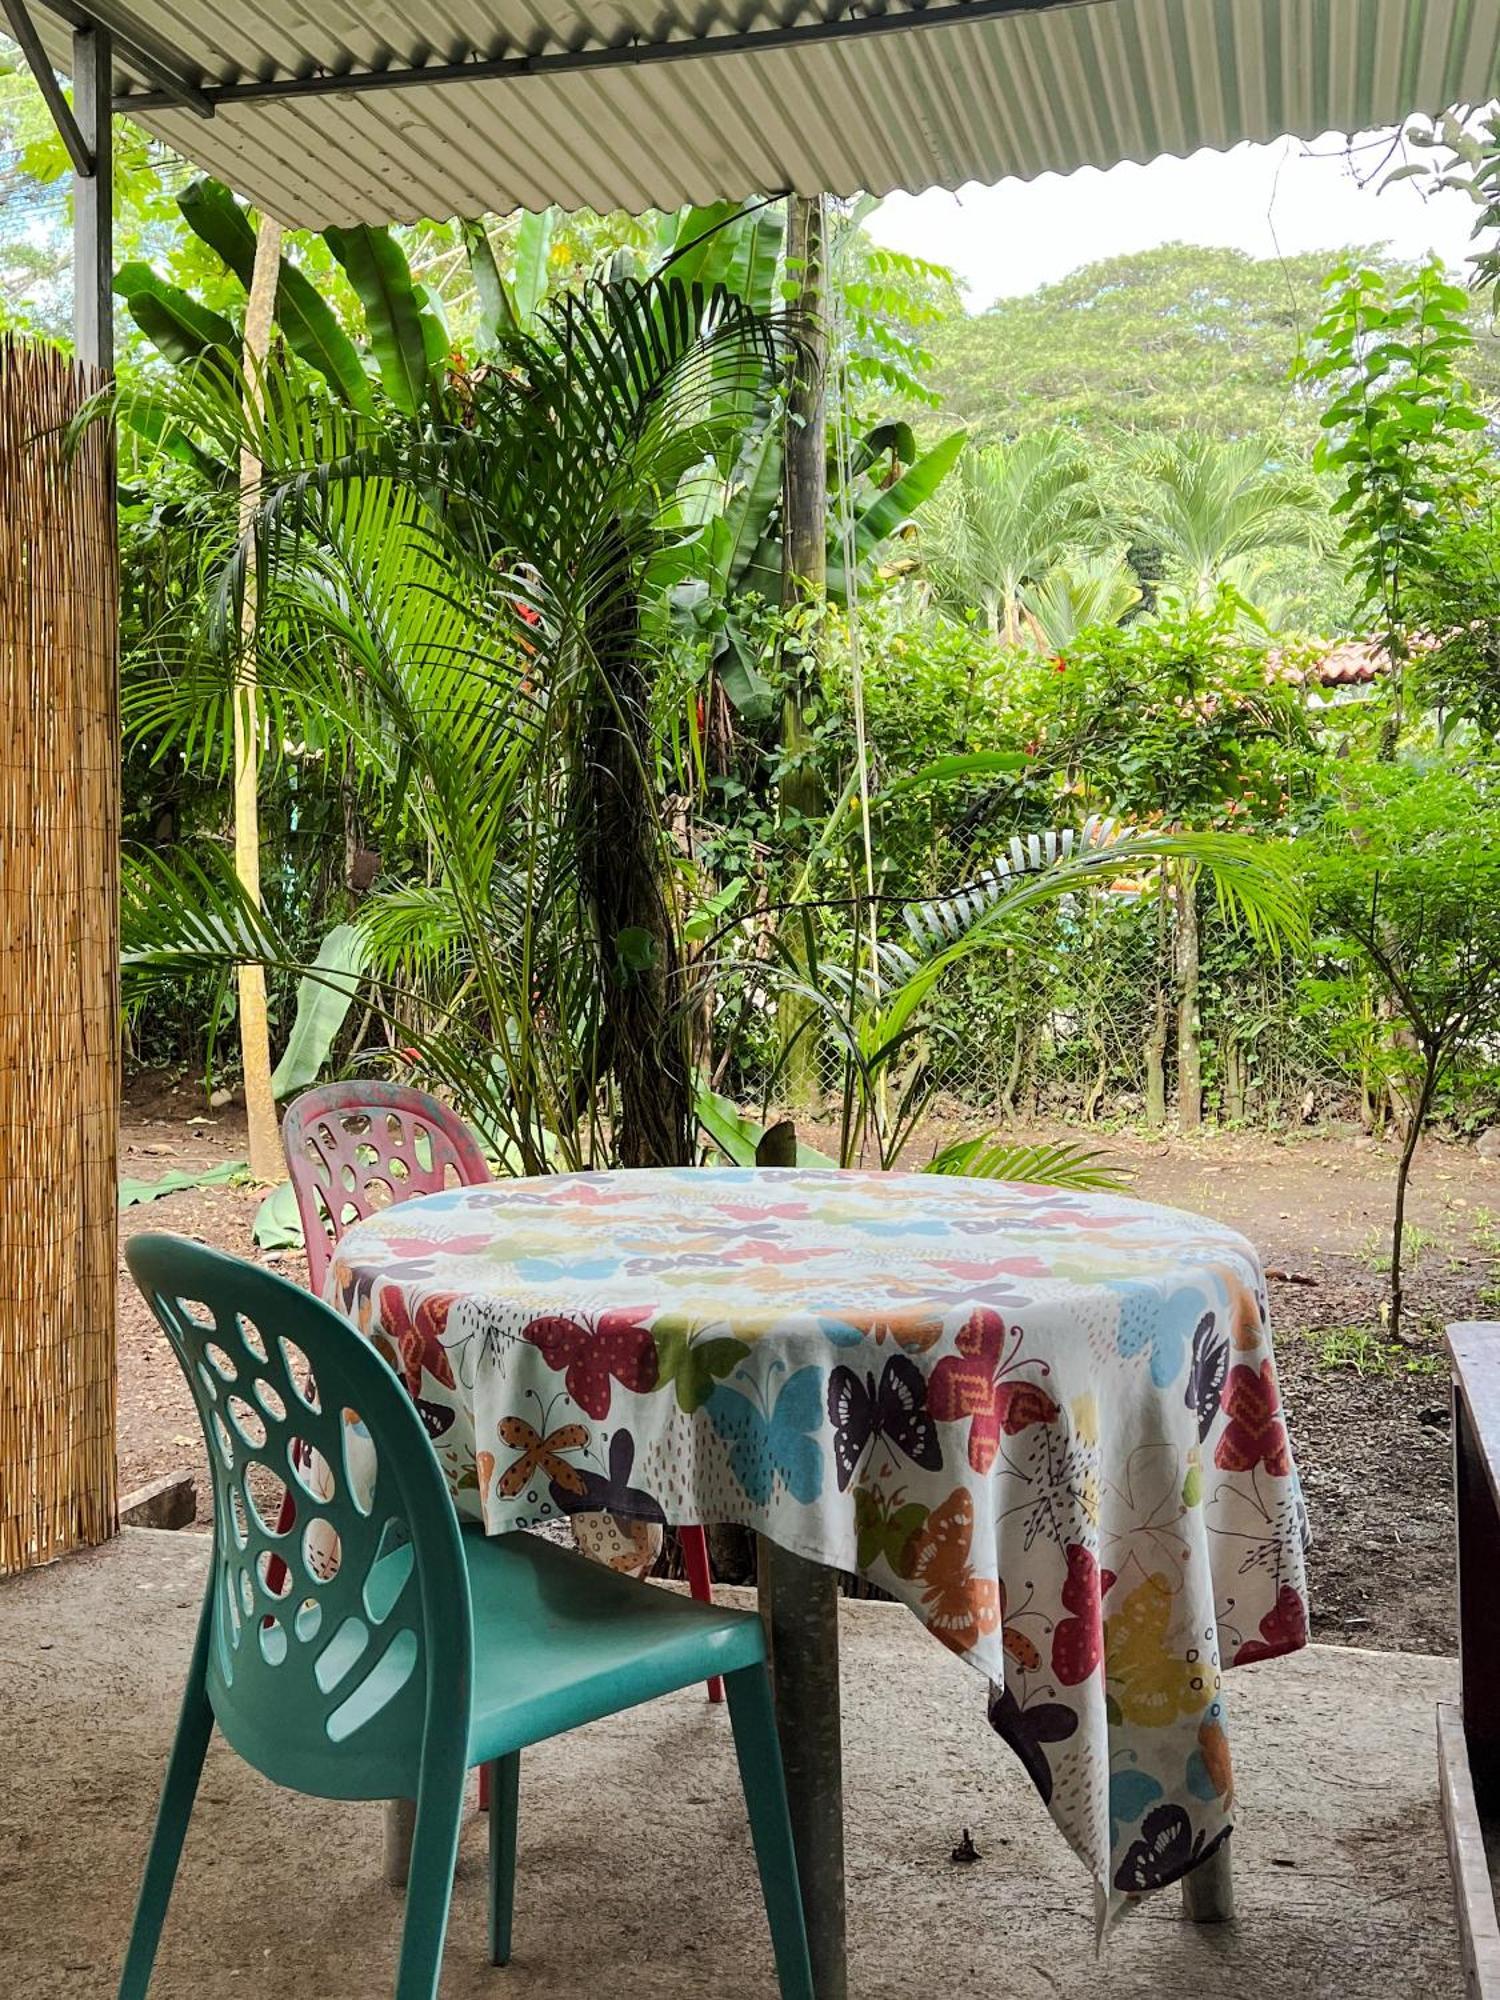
x=350 y=110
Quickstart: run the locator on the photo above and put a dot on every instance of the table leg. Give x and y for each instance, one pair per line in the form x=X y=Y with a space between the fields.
x=400 y=1822
x=800 y=1604
x=1208 y=1893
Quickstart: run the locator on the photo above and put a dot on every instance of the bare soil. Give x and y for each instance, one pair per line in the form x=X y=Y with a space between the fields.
x=1369 y=1417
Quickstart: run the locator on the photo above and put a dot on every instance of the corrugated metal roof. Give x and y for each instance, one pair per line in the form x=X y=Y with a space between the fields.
x=1019 y=94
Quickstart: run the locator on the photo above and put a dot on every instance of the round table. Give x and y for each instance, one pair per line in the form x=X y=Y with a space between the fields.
x=1046 y=1421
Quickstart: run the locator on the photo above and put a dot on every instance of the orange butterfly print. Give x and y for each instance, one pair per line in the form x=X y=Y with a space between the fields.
x=540 y=1454
x=972 y=1383
x=959 y=1608
x=1017 y=1646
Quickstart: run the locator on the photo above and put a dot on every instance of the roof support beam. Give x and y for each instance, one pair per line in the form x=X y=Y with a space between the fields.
x=22 y=28
x=175 y=84
x=93 y=204
x=550 y=62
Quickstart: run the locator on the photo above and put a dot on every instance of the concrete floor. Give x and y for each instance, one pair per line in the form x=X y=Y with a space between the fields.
x=636 y=1878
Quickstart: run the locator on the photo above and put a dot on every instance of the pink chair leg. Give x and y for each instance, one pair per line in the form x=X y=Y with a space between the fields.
x=700 y=1583
x=484 y=1788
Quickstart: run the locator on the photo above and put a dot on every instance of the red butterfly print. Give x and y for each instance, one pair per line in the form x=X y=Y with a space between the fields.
x=424 y=1246
x=617 y=1346
x=1078 y=1642
x=1282 y=1630
x=970 y=1384
x=993 y=1267
x=1255 y=1434
x=419 y=1338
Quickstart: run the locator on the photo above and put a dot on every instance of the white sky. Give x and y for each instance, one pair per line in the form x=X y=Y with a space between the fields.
x=1267 y=200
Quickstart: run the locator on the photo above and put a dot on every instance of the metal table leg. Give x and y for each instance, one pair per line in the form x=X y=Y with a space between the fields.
x=799 y=1602
x=400 y=1823
x=1208 y=1893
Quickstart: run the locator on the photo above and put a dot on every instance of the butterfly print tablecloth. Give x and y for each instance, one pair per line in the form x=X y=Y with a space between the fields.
x=1047 y=1422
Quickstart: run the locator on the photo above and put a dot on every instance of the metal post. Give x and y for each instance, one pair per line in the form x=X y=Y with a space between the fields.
x=800 y=1604
x=1208 y=1893
x=93 y=203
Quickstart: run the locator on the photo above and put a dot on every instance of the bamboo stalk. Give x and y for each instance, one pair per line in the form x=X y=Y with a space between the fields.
x=255 y=1044
x=59 y=1018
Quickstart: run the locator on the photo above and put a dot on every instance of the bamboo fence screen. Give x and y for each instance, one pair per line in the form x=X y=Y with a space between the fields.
x=59 y=1040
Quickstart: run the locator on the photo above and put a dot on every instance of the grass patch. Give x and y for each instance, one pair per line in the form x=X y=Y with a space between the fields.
x=1362 y=1350
x=1414 y=1241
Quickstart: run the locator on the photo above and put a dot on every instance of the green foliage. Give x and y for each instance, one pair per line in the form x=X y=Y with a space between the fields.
x=1399 y=422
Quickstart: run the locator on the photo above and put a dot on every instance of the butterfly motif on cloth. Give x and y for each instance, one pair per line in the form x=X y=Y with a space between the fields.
x=885 y=1528
x=1157 y=1322
x=427 y=1246
x=540 y=1454
x=895 y=1412
x=616 y=1347
x=693 y=1365
x=418 y=1338
x=1132 y=1793
x=1146 y=1673
x=779 y=1447
x=1018 y=1646
x=1029 y=1729
x=1255 y=1434
x=1078 y=1640
x=1282 y=1630
x=957 y=1607
x=973 y=1383
x=1167 y=1850
x=1207 y=1372
x=437 y=1418
x=611 y=1492
x=915 y=1331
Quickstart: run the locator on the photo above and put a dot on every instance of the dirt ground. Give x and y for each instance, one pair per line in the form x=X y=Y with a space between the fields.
x=1369 y=1418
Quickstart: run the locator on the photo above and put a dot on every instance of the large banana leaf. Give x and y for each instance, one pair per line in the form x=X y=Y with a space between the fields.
x=378 y=270
x=171 y=319
x=532 y=265
x=876 y=520
x=498 y=318
x=324 y=998
x=310 y=324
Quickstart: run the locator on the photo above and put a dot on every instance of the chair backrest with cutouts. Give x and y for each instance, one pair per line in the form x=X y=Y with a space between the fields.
x=341 y=1626
x=354 y=1147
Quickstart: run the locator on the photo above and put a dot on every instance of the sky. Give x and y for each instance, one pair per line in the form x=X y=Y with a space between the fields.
x=1267 y=200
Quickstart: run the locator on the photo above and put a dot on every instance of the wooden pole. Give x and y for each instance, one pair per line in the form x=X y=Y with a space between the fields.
x=266 y=1162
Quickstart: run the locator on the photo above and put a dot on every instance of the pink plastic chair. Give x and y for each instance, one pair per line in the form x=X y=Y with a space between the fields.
x=352 y=1148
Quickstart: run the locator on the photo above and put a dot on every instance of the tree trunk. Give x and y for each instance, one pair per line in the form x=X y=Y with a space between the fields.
x=1156 y=1035
x=266 y=1162
x=1189 y=1028
x=647 y=1024
x=1414 y=1127
x=1232 y=1062
x=804 y=582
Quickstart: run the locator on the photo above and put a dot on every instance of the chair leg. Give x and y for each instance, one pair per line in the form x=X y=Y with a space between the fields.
x=429 y=1886
x=194 y=1727
x=700 y=1582
x=759 y=1753
x=505 y=1788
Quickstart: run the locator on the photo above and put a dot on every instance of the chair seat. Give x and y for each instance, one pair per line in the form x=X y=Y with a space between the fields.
x=560 y=1640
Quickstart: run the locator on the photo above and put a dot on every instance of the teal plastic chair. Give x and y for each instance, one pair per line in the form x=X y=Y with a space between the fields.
x=400 y=1649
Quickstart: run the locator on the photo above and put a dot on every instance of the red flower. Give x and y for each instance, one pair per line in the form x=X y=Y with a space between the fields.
x=1255 y=1434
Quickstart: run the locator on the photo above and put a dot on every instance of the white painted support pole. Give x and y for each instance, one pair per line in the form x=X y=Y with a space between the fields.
x=93 y=202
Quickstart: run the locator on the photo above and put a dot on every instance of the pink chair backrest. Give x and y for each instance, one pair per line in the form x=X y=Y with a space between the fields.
x=352 y=1148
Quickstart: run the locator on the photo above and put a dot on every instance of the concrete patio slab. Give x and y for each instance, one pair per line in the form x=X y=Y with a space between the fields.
x=636 y=1878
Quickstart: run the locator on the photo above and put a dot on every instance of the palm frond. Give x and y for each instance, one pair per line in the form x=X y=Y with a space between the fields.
x=1044 y=1163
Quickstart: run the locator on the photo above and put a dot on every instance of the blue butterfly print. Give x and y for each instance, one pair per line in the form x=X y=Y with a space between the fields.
x=1163 y=1323
x=783 y=1446
x=1131 y=1793
x=544 y=1268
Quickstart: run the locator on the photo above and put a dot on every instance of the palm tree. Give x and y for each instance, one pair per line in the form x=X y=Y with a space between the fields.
x=1008 y=514
x=477 y=608
x=1218 y=512
x=1086 y=590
